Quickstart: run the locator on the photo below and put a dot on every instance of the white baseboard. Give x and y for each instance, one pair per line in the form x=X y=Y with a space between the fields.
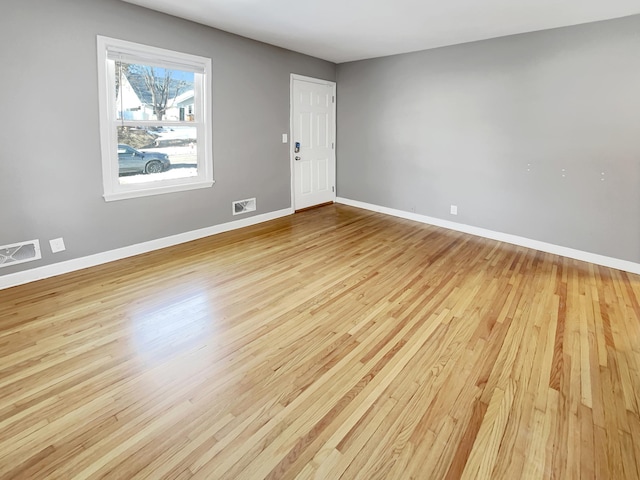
x=46 y=271
x=501 y=237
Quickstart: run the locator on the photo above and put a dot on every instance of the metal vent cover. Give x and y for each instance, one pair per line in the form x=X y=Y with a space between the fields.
x=19 y=253
x=243 y=206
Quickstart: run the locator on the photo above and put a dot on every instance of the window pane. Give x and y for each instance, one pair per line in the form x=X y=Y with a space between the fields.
x=144 y=92
x=148 y=154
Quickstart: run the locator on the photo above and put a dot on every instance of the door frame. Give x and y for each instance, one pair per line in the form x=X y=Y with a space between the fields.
x=295 y=76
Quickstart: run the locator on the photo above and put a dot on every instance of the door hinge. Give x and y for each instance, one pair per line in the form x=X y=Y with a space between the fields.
x=333 y=189
x=332 y=147
x=333 y=99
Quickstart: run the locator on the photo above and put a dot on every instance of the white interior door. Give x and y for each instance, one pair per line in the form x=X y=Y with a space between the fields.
x=313 y=120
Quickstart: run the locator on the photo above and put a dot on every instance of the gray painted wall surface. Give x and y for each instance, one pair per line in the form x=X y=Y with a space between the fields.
x=50 y=166
x=462 y=125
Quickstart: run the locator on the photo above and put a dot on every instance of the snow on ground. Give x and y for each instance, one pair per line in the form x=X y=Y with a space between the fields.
x=169 y=174
x=185 y=154
x=177 y=133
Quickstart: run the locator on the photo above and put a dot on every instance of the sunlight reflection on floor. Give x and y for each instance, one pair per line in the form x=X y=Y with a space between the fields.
x=170 y=337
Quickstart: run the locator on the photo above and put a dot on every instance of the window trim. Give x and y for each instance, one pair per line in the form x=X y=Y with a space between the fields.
x=109 y=122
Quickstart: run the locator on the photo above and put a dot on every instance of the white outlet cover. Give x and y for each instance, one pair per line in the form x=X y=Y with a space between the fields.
x=57 y=245
x=454 y=209
x=284 y=138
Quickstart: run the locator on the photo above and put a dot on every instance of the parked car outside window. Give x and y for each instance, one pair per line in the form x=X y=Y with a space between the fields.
x=134 y=161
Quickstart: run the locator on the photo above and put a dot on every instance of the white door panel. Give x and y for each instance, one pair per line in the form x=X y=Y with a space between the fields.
x=313 y=126
x=305 y=178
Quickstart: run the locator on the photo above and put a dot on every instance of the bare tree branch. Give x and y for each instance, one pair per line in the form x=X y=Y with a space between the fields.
x=163 y=89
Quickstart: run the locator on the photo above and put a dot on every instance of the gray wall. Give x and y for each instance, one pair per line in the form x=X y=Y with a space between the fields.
x=489 y=126
x=50 y=166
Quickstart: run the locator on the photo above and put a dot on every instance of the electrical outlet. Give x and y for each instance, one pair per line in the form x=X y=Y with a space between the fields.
x=57 y=245
x=454 y=209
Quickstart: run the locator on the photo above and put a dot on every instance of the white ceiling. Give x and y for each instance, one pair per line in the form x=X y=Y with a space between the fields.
x=345 y=30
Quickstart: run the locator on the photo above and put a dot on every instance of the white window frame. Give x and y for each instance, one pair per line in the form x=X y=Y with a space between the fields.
x=135 y=52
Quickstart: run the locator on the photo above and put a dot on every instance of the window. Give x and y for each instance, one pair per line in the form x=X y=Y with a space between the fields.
x=155 y=120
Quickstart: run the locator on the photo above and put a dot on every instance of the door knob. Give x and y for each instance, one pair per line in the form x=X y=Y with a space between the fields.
x=297 y=158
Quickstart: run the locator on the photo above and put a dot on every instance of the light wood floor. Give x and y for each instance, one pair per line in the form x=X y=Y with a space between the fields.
x=335 y=343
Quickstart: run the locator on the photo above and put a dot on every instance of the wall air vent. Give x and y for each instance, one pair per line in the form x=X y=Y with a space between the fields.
x=19 y=253
x=244 y=206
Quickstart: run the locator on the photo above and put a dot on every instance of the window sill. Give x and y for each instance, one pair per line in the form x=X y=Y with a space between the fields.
x=147 y=192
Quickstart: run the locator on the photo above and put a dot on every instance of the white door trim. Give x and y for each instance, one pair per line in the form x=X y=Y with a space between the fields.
x=295 y=76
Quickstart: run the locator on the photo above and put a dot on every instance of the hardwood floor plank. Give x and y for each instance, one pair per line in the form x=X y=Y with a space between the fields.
x=485 y=449
x=457 y=465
